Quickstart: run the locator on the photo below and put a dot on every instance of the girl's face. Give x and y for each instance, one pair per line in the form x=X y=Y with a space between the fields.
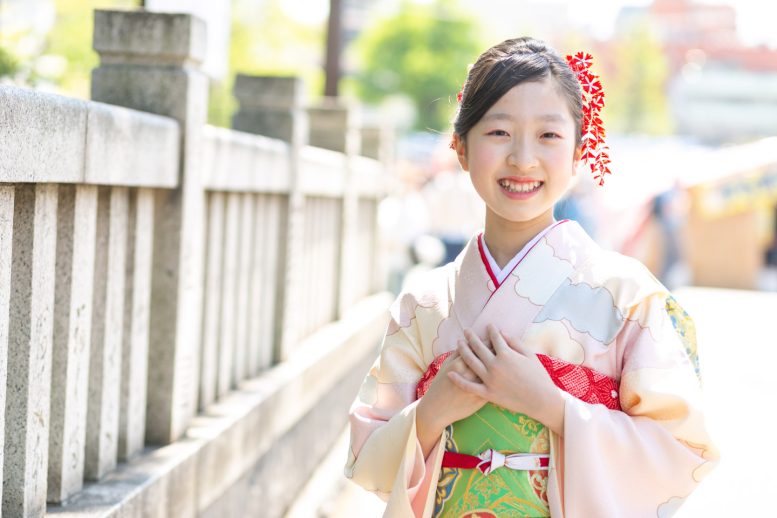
x=522 y=155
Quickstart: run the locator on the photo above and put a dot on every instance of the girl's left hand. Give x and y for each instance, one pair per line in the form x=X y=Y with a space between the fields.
x=511 y=377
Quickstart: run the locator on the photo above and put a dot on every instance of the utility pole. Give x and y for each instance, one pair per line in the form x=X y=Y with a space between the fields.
x=333 y=44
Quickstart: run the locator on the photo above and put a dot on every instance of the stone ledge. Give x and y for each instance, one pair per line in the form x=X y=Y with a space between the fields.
x=185 y=477
x=48 y=138
x=42 y=136
x=131 y=148
x=238 y=161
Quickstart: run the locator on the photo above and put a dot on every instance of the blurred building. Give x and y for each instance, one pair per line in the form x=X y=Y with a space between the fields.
x=720 y=90
x=724 y=103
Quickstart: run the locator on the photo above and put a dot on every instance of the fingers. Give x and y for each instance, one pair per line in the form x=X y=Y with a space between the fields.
x=497 y=340
x=466 y=385
x=471 y=360
x=478 y=347
x=513 y=344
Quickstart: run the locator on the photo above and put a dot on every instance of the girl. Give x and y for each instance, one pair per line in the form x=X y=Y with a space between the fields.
x=537 y=374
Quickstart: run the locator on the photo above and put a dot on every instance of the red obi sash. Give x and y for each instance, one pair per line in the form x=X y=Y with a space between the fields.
x=582 y=382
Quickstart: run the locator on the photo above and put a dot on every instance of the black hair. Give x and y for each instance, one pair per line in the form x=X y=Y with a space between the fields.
x=506 y=65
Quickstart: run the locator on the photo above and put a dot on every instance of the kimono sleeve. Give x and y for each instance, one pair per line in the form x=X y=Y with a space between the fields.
x=645 y=460
x=385 y=455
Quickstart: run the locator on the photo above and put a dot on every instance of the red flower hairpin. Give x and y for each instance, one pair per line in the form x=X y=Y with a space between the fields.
x=595 y=152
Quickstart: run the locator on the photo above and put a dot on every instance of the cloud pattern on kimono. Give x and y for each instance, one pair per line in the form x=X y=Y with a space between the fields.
x=553 y=339
x=588 y=309
x=539 y=288
x=670 y=507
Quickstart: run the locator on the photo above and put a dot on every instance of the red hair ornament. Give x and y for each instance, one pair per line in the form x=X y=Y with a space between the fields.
x=594 y=151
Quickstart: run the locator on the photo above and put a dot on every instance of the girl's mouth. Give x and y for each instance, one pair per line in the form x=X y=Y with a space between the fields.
x=520 y=190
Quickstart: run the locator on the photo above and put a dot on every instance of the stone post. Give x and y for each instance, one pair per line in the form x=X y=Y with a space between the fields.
x=76 y=228
x=152 y=62
x=27 y=407
x=6 y=239
x=334 y=126
x=377 y=142
x=272 y=106
x=137 y=296
x=102 y=416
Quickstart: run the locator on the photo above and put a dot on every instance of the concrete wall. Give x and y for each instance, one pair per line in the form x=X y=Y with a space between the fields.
x=182 y=308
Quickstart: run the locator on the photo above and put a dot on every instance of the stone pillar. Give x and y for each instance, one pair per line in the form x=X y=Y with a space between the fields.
x=27 y=407
x=76 y=220
x=242 y=346
x=102 y=416
x=228 y=318
x=6 y=239
x=334 y=126
x=377 y=141
x=137 y=299
x=272 y=106
x=212 y=301
x=151 y=62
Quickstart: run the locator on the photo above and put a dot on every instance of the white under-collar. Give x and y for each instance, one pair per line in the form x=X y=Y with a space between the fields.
x=502 y=273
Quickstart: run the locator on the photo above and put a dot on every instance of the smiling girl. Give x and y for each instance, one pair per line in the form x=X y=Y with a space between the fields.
x=537 y=374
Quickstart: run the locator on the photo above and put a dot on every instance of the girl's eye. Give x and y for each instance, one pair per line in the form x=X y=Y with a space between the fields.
x=550 y=134
x=498 y=133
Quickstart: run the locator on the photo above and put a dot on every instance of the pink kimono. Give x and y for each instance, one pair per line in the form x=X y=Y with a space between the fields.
x=567 y=299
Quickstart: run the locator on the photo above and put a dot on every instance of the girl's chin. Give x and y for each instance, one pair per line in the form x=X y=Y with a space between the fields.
x=525 y=217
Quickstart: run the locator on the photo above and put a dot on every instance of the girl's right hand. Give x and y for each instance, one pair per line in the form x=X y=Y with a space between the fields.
x=445 y=403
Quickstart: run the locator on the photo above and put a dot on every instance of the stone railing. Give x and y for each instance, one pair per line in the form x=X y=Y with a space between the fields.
x=183 y=308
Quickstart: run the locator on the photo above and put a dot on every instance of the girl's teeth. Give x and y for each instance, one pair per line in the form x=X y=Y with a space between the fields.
x=520 y=187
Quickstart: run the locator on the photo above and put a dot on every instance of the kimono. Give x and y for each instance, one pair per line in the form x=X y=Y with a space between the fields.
x=571 y=301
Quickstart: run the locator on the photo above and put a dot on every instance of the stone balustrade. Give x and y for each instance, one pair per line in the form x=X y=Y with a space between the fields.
x=180 y=304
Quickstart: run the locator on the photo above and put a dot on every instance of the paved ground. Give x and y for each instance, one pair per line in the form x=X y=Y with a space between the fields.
x=737 y=332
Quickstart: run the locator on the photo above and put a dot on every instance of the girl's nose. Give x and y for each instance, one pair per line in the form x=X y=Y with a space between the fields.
x=522 y=157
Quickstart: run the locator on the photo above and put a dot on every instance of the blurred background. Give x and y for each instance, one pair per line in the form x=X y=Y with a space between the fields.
x=691 y=109
x=692 y=120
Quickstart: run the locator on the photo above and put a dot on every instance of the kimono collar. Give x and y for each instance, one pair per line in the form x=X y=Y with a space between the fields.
x=498 y=275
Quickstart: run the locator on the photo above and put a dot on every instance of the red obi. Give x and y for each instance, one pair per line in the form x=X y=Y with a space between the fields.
x=584 y=383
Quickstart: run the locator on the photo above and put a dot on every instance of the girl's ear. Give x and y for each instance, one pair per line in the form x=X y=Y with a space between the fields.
x=460 y=146
x=576 y=158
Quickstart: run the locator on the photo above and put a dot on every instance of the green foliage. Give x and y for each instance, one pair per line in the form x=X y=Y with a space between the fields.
x=636 y=89
x=266 y=41
x=221 y=103
x=9 y=65
x=70 y=43
x=422 y=52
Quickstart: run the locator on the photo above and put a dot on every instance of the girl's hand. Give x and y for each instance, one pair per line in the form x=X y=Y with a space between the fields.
x=510 y=377
x=445 y=402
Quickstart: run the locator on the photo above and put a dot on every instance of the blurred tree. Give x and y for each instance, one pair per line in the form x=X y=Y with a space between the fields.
x=9 y=65
x=636 y=86
x=67 y=59
x=422 y=52
x=265 y=40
